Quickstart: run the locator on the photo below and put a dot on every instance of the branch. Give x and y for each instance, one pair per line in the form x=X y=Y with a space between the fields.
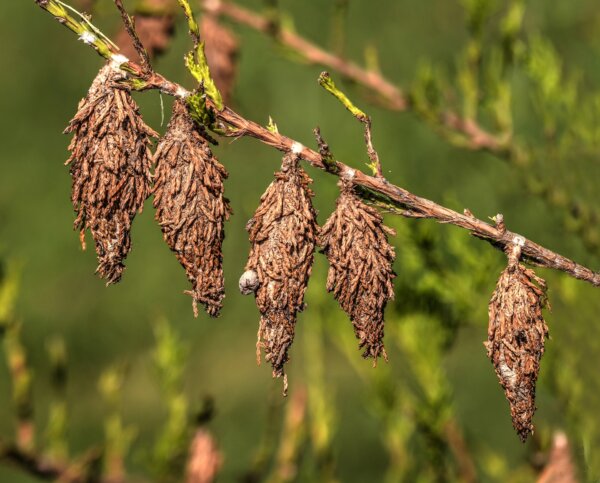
x=137 y=44
x=473 y=136
x=422 y=207
x=292 y=440
x=464 y=460
x=394 y=97
x=327 y=83
x=234 y=125
x=313 y=54
x=154 y=24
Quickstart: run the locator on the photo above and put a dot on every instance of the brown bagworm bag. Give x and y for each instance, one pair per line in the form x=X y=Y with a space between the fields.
x=283 y=235
x=354 y=239
x=110 y=168
x=191 y=208
x=516 y=336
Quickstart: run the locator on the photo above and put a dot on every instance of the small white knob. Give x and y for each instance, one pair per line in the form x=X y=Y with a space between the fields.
x=249 y=282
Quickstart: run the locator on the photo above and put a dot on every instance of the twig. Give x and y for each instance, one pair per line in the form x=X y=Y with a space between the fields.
x=397 y=196
x=394 y=97
x=154 y=25
x=327 y=83
x=373 y=156
x=137 y=44
x=197 y=63
x=204 y=459
x=86 y=19
x=30 y=463
x=324 y=151
x=57 y=446
x=192 y=24
x=448 y=122
x=402 y=198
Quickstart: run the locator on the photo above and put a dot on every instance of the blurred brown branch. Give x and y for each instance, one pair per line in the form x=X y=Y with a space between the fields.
x=293 y=438
x=560 y=467
x=456 y=441
x=205 y=460
x=390 y=94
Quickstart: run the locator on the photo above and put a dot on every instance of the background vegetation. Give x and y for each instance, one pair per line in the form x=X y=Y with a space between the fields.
x=363 y=424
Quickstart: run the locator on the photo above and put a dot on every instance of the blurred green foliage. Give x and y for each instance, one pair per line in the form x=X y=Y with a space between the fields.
x=528 y=71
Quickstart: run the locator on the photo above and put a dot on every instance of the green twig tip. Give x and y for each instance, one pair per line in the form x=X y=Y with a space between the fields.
x=327 y=83
x=192 y=24
x=272 y=126
x=196 y=59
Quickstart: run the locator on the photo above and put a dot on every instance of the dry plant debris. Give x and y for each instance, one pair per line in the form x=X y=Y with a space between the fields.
x=191 y=208
x=110 y=168
x=283 y=234
x=354 y=239
x=516 y=336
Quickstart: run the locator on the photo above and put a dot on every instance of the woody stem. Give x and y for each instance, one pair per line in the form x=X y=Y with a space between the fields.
x=395 y=197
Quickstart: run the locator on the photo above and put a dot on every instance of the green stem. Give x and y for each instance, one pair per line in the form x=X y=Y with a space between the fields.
x=88 y=33
x=192 y=24
x=326 y=82
x=196 y=59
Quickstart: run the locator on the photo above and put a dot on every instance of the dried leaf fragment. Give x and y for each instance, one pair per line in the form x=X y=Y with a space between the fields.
x=354 y=239
x=110 y=169
x=283 y=235
x=191 y=208
x=516 y=336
